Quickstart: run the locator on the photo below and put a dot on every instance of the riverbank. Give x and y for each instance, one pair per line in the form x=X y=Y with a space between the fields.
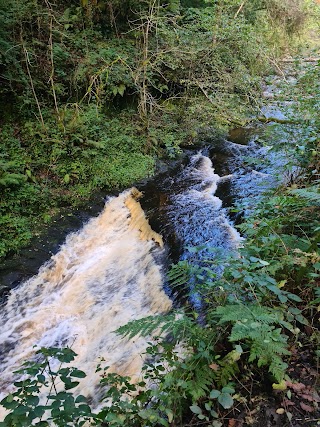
x=90 y=98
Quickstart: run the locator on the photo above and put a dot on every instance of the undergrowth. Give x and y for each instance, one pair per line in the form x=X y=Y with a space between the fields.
x=258 y=313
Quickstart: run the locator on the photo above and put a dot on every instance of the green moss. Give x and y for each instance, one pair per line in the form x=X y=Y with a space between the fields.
x=63 y=167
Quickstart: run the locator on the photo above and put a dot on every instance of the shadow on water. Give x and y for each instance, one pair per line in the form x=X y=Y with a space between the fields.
x=20 y=267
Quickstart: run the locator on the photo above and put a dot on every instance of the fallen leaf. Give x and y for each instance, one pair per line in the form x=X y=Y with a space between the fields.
x=281 y=386
x=250 y=420
x=295 y=386
x=280 y=411
x=232 y=422
x=307 y=397
x=306 y=408
x=214 y=366
x=287 y=402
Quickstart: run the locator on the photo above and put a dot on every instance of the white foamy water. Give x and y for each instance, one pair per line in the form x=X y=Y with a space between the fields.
x=197 y=213
x=198 y=219
x=103 y=276
x=106 y=275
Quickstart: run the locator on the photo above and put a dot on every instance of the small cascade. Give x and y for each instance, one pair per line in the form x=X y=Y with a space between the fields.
x=196 y=213
x=111 y=271
x=103 y=276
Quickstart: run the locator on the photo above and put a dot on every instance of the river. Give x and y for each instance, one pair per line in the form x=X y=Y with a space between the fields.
x=112 y=270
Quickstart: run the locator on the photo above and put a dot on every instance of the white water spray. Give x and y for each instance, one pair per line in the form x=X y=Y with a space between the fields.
x=103 y=276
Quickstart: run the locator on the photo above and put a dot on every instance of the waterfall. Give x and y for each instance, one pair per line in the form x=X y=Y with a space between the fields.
x=111 y=272
x=103 y=276
x=196 y=212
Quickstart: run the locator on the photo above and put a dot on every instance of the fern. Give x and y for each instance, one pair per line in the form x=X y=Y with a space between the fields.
x=249 y=312
x=181 y=273
x=8 y=179
x=177 y=324
x=254 y=325
x=146 y=326
x=7 y=176
x=201 y=382
x=311 y=194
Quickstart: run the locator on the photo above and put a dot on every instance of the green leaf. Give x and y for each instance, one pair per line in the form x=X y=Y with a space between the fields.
x=302 y=319
x=41 y=378
x=282 y=298
x=39 y=411
x=20 y=410
x=84 y=409
x=77 y=373
x=196 y=409
x=121 y=89
x=9 y=398
x=81 y=399
x=225 y=400
x=70 y=385
x=214 y=394
x=228 y=389
x=294 y=297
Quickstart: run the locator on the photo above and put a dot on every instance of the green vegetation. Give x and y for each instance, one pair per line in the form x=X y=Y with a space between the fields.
x=91 y=93
x=261 y=316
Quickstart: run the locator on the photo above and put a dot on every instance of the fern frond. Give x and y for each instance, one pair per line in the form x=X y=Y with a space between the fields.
x=255 y=326
x=311 y=194
x=8 y=179
x=147 y=326
x=247 y=313
x=180 y=273
x=201 y=383
x=277 y=367
x=179 y=326
x=194 y=378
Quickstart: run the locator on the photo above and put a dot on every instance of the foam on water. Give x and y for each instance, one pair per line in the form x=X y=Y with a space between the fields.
x=103 y=276
x=196 y=213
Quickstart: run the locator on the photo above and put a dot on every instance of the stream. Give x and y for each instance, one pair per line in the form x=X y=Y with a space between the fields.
x=112 y=270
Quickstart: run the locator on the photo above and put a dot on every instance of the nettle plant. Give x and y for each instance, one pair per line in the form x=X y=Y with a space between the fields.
x=172 y=386
x=37 y=400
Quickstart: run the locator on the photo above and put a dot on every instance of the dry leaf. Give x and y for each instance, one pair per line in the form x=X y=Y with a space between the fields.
x=280 y=411
x=250 y=420
x=287 y=402
x=296 y=386
x=307 y=397
x=306 y=408
x=232 y=422
x=214 y=366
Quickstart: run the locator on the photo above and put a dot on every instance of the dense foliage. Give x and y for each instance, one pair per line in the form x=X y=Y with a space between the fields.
x=92 y=92
x=262 y=314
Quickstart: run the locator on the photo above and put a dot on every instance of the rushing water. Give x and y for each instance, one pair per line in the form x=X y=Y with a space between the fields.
x=102 y=277
x=112 y=270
